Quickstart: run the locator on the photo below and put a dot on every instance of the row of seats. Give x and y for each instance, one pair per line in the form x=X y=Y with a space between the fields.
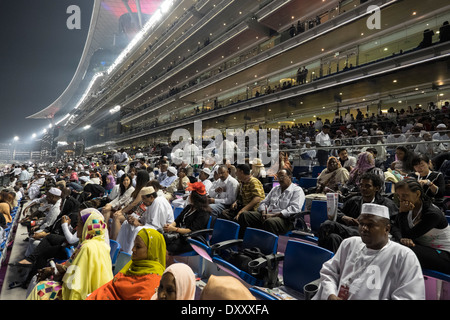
x=6 y=234
x=301 y=246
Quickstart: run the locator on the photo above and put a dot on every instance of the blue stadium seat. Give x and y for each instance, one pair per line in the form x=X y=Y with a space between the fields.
x=307 y=183
x=318 y=214
x=316 y=170
x=265 y=241
x=177 y=211
x=122 y=259
x=115 y=248
x=223 y=230
x=301 y=265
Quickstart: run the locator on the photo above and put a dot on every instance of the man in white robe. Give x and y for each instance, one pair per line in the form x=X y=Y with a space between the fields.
x=370 y=266
x=159 y=212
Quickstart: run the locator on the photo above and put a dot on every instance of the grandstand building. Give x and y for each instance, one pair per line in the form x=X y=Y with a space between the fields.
x=236 y=64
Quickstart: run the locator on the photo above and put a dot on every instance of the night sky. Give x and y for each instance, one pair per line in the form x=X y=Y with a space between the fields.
x=38 y=58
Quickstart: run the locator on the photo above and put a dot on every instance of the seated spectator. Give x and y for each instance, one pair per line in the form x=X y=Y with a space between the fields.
x=123 y=198
x=139 y=278
x=250 y=194
x=441 y=135
x=223 y=193
x=110 y=183
x=135 y=206
x=180 y=184
x=170 y=178
x=225 y=288
x=423 y=226
x=204 y=178
x=6 y=206
x=365 y=164
x=360 y=261
x=194 y=217
x=258 y=170
x=402 y=164
x=347 y=162
x=163 y=171
x=432 y=182
x=34 y=189
x=88 y=269
x=274 y=213
x=177 y=283
x=332 y=233
x=53 y=198
x=158 y=213
x=332 y=177
x=427 y=146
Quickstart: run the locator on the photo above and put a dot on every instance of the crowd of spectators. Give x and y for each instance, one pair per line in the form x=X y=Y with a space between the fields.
x=120 y=193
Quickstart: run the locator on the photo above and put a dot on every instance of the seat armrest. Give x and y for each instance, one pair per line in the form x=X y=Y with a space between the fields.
x=225 y=244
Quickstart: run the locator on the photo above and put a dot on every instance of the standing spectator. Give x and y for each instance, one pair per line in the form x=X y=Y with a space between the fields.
x=323 y=140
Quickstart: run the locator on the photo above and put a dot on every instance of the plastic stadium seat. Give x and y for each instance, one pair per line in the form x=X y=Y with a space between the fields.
x=436 y=275
x=316 y=170
x=115 y=248
x=318 y=214
x=388 y=187
x=177 y=211
x=253 y=238
x=300 y=171
x=194 y=253
x=302 y=265
x=122 y=259
x=223 y=230
x=307 y=183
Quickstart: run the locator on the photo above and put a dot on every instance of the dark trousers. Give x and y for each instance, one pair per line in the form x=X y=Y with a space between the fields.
x=50 y=247
x=253 y=219
x=430 y=258
x=332 y=233
x=322 y=157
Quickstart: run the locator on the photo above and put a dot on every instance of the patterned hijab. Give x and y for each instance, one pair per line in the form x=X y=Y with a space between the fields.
x=94 y=225
x=156 y=255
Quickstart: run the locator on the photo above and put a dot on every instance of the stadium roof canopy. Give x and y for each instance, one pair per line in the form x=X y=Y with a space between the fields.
x=103 y=29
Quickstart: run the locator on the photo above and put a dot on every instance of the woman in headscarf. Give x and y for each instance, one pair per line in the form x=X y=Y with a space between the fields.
x=329 y=180
x=365 y=163
x=88 y=268
x=177 y=283
x=332 y=176
x=225 y=288
x=110 y=184
x=139 y=279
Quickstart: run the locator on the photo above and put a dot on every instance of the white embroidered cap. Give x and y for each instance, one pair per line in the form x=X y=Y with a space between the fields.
x=375 y=209
x=55 y=191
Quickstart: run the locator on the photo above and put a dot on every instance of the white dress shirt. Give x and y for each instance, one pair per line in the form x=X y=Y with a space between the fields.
x=288 y=202
x=228 y=196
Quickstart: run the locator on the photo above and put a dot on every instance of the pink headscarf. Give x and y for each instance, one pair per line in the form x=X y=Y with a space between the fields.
x=184 y=281
x=365 y=162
